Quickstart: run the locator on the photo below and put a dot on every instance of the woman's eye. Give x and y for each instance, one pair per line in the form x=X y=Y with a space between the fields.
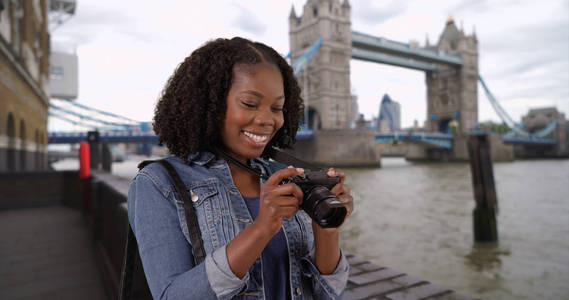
x=250 y=105
x=277 y=109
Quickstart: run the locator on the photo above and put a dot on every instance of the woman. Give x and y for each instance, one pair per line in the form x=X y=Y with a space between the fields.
x=240 y=97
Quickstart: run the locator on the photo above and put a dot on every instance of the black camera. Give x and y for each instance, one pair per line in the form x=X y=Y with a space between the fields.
x=319 y=203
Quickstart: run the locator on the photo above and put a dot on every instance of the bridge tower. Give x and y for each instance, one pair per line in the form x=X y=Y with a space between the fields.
x=325 y=81
x=452 y=93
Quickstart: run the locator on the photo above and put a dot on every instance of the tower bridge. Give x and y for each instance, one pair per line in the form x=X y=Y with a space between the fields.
x=321 y=46
x=451 y=76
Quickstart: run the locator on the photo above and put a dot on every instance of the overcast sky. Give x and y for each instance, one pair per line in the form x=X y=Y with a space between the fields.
x=128 y=49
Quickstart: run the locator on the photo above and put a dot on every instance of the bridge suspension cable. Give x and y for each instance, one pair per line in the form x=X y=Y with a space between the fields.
x=515 y=127
x=84 y=116
x=98 y=111
x=303 y=60
x=501 y=112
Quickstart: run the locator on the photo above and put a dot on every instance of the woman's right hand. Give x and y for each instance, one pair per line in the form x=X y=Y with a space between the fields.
x=278 y=201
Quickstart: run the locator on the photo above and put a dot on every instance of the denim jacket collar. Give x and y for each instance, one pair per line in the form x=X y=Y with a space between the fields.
x=201 y=158
x=205 y=157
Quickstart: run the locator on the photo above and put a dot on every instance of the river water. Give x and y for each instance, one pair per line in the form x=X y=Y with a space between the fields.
x=417 y=218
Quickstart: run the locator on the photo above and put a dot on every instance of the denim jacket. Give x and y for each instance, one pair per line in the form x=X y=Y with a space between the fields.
x=156 y=215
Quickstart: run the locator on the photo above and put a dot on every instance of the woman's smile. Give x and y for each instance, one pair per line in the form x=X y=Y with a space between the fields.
x=258 y=139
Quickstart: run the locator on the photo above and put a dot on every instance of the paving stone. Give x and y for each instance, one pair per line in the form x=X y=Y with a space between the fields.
x=365 y=278
x=417 y=292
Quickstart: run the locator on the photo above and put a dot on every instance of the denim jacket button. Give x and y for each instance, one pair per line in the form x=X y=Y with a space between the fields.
x=298 y=291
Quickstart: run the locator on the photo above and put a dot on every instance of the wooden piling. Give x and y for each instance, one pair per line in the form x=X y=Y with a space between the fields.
x=484 y=214
x=107 y=157
x=94 y=140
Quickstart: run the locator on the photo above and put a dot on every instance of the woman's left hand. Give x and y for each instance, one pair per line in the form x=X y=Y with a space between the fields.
x=326 y=240
x=341 y=191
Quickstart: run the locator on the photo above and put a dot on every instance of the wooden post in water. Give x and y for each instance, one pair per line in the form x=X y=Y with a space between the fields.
x=484 y=214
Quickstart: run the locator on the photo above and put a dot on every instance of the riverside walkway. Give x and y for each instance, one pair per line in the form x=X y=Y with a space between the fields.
x=48 y=250
x=47 y=253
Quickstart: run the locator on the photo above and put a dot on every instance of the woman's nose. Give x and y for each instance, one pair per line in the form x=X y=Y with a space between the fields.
x=265 y=118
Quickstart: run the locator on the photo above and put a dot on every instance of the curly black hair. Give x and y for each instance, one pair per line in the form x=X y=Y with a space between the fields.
x=189 y=114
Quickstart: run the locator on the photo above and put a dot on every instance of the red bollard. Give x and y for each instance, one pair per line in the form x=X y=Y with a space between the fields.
x=84 y=166
x=85 y=173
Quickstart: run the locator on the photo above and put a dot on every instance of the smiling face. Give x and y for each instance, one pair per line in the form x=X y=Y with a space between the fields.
x=254 y=113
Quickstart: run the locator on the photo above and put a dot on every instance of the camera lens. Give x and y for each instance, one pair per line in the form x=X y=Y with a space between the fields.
x=324 y=208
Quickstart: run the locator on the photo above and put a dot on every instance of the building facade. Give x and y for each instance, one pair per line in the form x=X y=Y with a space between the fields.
x=24 y=84
x=539 y=118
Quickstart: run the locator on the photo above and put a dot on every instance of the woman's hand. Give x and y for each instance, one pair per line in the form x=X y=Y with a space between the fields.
x=326 y=240
x=342 y=192
x=278 y=201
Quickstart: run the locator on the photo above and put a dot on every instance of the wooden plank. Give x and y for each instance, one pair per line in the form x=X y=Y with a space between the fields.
x=369 y=277
x=418 y=292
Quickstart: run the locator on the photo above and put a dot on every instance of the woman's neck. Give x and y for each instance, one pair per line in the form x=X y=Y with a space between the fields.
x=246 y=182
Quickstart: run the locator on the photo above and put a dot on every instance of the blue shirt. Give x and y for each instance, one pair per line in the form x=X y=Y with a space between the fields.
x=156 y=215
x=274 y=259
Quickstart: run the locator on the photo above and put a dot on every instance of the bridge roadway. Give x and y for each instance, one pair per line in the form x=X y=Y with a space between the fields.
x=381 y=50
x=51 y=248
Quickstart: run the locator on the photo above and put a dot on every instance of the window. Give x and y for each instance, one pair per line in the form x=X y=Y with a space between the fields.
x=56 y=73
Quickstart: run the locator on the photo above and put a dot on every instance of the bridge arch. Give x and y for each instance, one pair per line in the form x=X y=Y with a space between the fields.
x=314 y=119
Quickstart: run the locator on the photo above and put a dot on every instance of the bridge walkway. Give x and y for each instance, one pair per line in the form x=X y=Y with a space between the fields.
x=47 y=253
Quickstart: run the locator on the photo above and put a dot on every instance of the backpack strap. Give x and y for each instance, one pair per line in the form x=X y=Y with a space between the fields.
x=131 y=248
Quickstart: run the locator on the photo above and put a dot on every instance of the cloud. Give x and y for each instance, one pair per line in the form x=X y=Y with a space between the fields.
x=478 y=6
x=368 y=12
x=247 y=21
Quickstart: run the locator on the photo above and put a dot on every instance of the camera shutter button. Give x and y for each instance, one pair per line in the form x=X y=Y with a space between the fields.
x=298 y=291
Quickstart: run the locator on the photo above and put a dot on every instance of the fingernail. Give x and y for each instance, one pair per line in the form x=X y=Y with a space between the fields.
x=300 y=170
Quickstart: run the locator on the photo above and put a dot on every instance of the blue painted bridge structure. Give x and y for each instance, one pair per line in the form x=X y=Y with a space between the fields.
x=126 y=136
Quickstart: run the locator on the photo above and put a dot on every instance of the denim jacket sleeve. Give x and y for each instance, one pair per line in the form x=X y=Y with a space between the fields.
x=165 y=252
x=327 y=286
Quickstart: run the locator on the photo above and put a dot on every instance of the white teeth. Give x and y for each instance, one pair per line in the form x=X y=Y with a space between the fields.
x=256 y=138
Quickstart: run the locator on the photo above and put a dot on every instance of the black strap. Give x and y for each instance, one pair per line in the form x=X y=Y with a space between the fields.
x=131 y=248
x=191 y=216
x=130 y=257
x=289 y=160
x=234 y=161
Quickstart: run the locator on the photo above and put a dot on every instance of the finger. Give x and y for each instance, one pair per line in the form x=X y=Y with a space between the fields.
x=340 y=189
x=348 y=202
x=286 y=201
x=279 y=175
x=337 y=173
x=288 y=189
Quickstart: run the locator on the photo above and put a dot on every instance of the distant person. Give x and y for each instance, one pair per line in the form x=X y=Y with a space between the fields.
x=241 y=97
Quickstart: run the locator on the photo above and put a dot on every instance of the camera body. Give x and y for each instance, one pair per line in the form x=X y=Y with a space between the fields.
x=319 y=203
